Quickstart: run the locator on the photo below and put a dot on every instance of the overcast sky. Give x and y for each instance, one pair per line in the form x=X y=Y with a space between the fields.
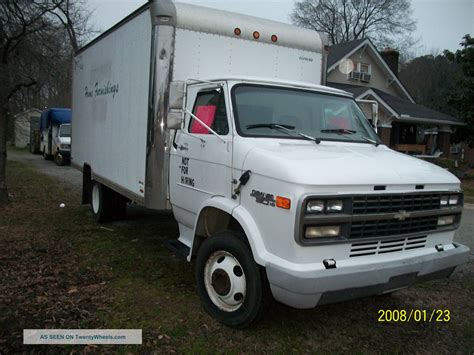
x=440 y=23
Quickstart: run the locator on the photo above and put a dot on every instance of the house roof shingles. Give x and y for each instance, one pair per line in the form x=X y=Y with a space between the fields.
x=338 y=51
x=399 y=105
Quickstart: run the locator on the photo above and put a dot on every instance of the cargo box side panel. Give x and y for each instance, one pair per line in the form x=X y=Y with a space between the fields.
x=200 y=55
x=110 y=105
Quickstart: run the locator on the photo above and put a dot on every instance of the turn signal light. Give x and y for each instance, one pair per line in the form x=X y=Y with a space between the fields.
x=283 y=202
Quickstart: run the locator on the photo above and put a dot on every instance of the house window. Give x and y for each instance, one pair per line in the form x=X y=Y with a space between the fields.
x=362 y=72
x=364 y=68
x=365 y=72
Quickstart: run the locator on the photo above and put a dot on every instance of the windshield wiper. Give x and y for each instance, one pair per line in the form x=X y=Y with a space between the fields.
x=371 y=141
x=270 y=125
x=338 y=131
x=285 y=128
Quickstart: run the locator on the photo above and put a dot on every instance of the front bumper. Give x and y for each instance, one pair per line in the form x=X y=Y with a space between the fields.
x=65 y=153
x=307 y=289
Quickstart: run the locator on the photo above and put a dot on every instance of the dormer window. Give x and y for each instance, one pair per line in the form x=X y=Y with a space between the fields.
x=362 y=72
x=364 y=68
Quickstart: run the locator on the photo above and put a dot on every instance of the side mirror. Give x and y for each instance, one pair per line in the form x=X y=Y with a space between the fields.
x=175 y=115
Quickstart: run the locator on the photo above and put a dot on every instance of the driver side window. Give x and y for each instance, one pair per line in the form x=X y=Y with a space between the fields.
x=209 y=108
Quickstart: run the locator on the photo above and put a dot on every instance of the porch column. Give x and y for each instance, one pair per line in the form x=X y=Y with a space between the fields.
x=444 y=141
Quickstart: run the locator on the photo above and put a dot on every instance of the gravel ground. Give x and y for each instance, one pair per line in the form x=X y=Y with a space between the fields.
x=65 y=174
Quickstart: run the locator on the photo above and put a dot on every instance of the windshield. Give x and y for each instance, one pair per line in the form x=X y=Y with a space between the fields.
x=262 y=111
x=65 y=130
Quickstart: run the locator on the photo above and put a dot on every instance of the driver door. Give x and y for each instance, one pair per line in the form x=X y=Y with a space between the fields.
x=200 y=161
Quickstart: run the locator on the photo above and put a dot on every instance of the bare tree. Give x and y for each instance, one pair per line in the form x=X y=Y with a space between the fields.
x=385 y=22
x=37 y=40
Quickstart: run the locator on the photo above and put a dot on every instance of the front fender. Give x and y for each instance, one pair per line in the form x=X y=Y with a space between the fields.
x=253 y=234
x=244 y=218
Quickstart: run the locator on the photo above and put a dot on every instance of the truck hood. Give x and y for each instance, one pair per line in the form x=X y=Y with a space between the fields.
x=335 y=163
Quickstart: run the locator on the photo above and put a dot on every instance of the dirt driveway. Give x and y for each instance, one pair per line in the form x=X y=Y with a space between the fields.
x=65 y=174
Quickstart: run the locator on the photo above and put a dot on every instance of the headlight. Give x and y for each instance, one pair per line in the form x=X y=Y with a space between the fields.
x=450 y=200
x=335 y=206
x=445 y=220
x=315 y=206
x=444 y=200
x=453 y=199
x=324 y=206
x=322 y=232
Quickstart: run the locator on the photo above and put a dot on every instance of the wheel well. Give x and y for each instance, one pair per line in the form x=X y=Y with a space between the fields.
x=211 y=221
x=86 y=184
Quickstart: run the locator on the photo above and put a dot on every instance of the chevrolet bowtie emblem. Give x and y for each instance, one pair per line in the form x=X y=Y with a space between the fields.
x=402 y=215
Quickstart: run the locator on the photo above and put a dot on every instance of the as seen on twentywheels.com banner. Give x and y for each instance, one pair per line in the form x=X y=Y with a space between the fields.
x=81 y=336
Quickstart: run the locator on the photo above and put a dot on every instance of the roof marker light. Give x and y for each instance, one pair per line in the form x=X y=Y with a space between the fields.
x=274 y=38
x=237 y=31
x=256 y=35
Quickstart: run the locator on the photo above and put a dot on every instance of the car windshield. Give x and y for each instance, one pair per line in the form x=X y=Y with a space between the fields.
x=65 y=130
x=263 y=111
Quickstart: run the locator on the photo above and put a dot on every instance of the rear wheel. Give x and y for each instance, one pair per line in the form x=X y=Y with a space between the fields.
x=46 y=156
x=101 y=202
x=232 y=287
x=106 y=204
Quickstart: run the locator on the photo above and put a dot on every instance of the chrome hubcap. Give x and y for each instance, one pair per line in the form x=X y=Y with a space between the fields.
x=95 y=198
x=225 y=281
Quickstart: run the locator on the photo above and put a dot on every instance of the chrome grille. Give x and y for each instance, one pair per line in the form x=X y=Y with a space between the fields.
x=387 y=227
x=389 y=203
x=387 y=246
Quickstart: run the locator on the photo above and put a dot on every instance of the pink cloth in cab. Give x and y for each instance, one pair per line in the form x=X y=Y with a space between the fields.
x=340 y=123
x=206 y=114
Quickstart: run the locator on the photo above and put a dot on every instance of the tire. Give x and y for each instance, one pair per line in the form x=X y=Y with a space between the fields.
x=119 y=211
x=106 y=204
x=46 y=156
x=101 y=202
x=232 y=287
x=59 y=159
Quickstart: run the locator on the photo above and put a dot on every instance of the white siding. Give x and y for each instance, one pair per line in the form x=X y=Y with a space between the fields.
x=109 y=131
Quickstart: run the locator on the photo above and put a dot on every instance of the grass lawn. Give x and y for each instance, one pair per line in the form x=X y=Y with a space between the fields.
x=61 y=270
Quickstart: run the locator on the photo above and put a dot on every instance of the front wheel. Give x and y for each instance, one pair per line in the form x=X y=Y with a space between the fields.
x=232 y=287
x=59 y=159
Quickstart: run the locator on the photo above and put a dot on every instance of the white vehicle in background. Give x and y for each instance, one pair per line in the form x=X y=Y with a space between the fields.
x=55 y=127
x=277 y=183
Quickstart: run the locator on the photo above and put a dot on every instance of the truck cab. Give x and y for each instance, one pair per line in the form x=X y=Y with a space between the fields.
x=55 y=126
x=62 y=144
x=297 y=172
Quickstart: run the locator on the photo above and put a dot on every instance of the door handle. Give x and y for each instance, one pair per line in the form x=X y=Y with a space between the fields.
x=183 y=146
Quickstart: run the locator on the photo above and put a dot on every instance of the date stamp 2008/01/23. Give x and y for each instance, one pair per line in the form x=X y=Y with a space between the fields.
x=413 y=315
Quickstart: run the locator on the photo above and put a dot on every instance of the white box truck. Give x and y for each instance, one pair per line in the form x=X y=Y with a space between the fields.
x=279 y=185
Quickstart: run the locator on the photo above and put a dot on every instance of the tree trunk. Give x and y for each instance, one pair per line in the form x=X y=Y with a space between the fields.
x=3 y=152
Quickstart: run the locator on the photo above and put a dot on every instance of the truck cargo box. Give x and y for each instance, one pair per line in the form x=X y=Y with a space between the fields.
x=122 y=79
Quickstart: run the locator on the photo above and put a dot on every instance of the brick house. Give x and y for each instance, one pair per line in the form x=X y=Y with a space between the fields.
x=358 y=67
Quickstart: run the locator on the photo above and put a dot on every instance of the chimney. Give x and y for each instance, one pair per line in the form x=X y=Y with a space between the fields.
x=390 y=56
